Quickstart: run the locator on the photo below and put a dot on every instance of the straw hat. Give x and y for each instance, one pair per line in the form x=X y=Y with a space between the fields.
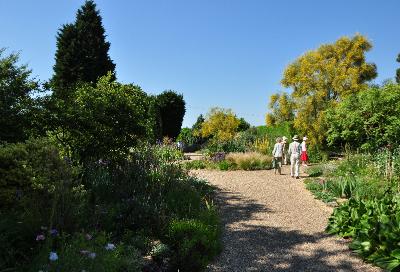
x=295 y=138
x=305 y=138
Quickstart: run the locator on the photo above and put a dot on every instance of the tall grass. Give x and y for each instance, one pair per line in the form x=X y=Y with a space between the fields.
x=250 y=160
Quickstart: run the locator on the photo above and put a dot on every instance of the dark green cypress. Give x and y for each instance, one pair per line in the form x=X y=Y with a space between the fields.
x=82 y=51
x=172 y=111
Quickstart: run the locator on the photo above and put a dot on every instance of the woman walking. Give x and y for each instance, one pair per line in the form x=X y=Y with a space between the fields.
x=277 y=154
x=304 y=155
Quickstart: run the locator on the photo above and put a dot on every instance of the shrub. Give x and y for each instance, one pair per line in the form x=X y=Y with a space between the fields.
x=314 y=171
x=38 y=190
x=194 y=244
x=250 y=161
x=195 y=164
x=373 y=225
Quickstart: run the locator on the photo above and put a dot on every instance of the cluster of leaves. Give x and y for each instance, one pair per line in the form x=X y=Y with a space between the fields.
x=373 y=226
x=368 y=120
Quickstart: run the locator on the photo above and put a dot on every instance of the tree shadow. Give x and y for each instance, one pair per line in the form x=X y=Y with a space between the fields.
x=253 y=247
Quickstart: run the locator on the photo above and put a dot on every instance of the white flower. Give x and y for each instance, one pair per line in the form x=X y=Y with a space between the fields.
x=92 y=255
x=110 y=246
x=53 y=256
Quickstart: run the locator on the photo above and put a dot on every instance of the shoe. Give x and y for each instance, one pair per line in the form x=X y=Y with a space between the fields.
x=297 y=177
x=292 y=176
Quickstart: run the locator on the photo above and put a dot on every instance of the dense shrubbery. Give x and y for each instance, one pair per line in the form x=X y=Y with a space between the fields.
x=47 y=205
x=370 y=215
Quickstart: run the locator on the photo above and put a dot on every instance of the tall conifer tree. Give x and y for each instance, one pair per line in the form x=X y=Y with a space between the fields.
x=82 y=51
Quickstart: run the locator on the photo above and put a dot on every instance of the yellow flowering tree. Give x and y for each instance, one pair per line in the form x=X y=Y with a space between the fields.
x=282 y=109
x=221 y=124
x=321 y=78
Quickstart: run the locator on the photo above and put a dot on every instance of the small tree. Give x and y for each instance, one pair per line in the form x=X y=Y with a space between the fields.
x=16 y=104
x=220 y=124
x=172 y=110
x=106 y=120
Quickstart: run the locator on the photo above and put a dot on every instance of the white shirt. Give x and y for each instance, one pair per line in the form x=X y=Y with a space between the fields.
x=294 y=148
x=277 y=152
x=303 y=146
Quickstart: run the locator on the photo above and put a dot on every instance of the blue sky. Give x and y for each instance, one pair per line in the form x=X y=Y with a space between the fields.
x=226 y=53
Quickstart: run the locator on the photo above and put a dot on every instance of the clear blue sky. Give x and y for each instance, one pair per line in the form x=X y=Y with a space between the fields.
x=226 y=53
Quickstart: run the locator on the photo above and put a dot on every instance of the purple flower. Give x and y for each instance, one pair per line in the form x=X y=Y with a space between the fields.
x=53 y=232
x=40 y=237
x=84 y=252
x=92 y=255
x=53 y=256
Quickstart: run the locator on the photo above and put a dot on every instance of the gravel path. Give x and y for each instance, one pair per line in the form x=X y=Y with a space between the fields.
x=272 y=223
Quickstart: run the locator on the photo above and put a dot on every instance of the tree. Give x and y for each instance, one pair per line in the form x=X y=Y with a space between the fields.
x=172 y=110
x=322 y=77
x=220 y=124
x=16 y=103
x=369 y=119
x=282 y=108
x=82 y=52
x=398 y=70
x=243 y=125
x=106 y=120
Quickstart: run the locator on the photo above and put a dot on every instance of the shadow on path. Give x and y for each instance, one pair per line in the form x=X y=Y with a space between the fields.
x=250 y=245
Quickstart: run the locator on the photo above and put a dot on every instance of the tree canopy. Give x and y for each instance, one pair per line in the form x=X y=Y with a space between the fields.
x=221 y=124
x=282 y=109
x=320 y=78
x=369 y=119
x=16 y=104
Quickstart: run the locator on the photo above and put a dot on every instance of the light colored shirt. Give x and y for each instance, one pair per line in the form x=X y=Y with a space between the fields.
x=294 y=148
x=303 y=146
x=278 y=150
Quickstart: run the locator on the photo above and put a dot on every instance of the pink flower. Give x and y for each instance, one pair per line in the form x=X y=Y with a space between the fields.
x=40 y=237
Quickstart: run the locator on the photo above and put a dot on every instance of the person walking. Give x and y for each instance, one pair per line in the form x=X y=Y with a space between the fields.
x=304 y=155
x=294 y=153
x=284 y=150
x=277 y=154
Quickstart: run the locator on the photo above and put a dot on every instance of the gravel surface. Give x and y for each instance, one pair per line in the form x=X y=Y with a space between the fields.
x=272 y=223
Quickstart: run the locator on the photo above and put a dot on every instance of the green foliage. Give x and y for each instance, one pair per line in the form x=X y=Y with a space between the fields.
x=78 y=253
x=37 y=189
x=370 y=119
x=194 y=243
x=172 y=110
x=82 y=52
x=187 y=137
x=105 y=120
x=131 y=198
x=195 y=164
x=243 y=125
x=320 y=189
x=17 y=107
x=373 y=225
x=314 y=171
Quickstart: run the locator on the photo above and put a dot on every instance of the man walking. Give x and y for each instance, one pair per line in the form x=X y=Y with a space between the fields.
x=294 y=154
